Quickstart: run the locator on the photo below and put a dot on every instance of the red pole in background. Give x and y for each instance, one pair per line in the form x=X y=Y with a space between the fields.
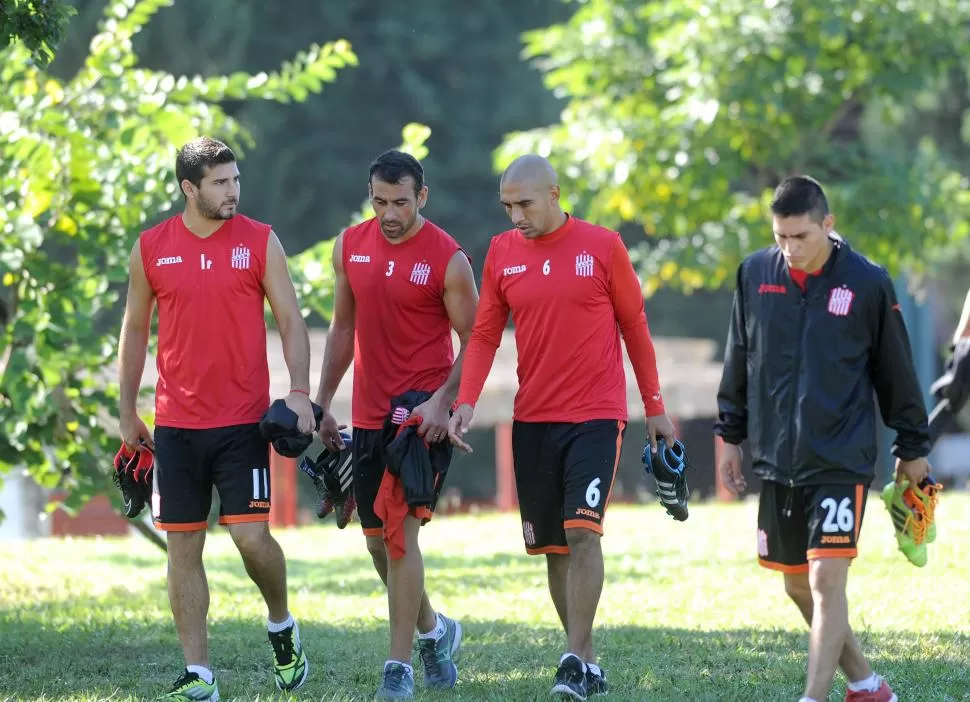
x=282 y=470
x=505 y=495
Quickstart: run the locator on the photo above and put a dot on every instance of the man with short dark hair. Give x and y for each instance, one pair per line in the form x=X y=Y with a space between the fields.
x=209 y=270
x=815 y=331
x=401 y=285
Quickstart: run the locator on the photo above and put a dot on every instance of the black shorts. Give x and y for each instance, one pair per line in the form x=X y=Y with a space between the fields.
x=800 y=524
x=189 y=462
x=564 y=477
x=369 y=466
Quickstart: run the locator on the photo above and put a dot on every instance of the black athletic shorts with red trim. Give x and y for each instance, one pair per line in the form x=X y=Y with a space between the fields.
x=190 y=462
x=803 y=523
x=564 y=477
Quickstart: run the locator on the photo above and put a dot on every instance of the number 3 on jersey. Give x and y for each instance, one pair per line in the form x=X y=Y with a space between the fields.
x=390 y=269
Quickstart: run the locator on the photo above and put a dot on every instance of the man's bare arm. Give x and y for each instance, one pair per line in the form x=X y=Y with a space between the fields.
x=286 y=310
x=339 y=351
x=461 y=302
x=135 y=328
x=963 y=327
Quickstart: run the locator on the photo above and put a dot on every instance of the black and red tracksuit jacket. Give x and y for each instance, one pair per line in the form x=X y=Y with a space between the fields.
x=803 y=370
x=414 y=470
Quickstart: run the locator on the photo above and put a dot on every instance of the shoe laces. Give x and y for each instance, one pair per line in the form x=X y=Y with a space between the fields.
x=428 y=651
x=283 y=649
x=394 y=677
x=922 y=511
x=185 y=680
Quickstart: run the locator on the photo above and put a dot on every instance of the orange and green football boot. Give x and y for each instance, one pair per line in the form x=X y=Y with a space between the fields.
x=912 y=511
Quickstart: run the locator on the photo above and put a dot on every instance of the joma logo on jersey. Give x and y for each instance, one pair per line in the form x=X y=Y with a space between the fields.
x=168 y=260
x=772 y=289
x=583 y=512
x=513 y=270
x=358 y=258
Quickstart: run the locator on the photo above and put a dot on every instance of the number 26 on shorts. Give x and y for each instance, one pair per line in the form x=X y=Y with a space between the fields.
x=839 y=516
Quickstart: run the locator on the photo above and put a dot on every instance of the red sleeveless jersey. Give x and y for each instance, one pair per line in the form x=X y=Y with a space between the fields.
x=212 y=365
x=403 y=333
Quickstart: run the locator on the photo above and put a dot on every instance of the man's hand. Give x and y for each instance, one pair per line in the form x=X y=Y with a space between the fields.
x=458 y=426
x=730 y=468
x=330 y=432
x=299 y=403
x=660 y=426
x=434 y=419
x=134 y=431
x=915 y=471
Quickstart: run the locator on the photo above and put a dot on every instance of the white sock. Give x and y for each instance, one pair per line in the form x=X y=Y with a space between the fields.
x=277 y=627
x=807 y=699
x=870 y=684
x=407 y=666
x=567 y=655
x=594 y=669
x=202 y=672
x=437 y=632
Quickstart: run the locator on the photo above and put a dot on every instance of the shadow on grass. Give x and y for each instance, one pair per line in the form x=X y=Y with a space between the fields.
x=355 y=575
x=64 y=651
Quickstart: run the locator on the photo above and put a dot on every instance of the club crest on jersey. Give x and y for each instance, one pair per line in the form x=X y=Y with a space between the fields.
x=400 y=415
x=584 y=265
x=840 y=301
x=420 y=273
x=240 y=257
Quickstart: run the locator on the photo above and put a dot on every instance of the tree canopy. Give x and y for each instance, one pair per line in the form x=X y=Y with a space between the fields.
x=682 y=116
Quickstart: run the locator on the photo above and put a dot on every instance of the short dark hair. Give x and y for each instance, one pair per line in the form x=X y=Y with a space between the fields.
x=199 y=154
x=799 y=195
x=394 y=166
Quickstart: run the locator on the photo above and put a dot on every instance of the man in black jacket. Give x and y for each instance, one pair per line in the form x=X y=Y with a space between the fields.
x=815 y=331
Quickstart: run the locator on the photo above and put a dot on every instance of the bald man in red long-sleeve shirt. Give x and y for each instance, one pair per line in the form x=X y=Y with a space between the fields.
x=572 y=292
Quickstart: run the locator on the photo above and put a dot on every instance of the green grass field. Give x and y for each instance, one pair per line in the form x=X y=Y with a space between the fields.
x=686 y=613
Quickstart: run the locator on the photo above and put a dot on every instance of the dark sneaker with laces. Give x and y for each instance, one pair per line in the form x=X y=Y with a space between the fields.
x=397 y=683
x=570 y=682
x=669 y=466
x=289 y=662
x=190 y=686
x=438 y=657
x=596 y=683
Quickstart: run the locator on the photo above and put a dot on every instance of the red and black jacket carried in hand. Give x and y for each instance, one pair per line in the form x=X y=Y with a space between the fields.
x=801 y=369
x=414 y=471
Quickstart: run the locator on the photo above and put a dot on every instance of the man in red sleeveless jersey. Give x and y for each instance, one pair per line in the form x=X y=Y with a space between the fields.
x=402 y=285
x=572 y=292
x=209 y=269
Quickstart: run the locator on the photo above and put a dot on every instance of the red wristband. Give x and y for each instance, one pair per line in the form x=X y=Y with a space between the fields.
x=298 y=390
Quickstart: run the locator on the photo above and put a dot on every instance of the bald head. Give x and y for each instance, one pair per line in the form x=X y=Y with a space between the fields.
x=531 y=169
x=529 y=191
